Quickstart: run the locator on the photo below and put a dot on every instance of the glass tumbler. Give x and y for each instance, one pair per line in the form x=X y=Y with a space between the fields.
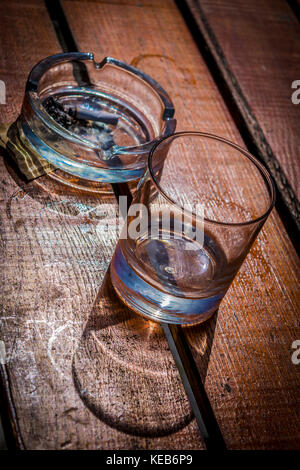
x=195 y=215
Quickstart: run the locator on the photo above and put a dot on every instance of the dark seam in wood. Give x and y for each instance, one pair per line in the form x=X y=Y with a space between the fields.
x=122 y=189
x=61 y=26
x=194 y=388
x=9 y=418
x=295 y=7
x=287 y=205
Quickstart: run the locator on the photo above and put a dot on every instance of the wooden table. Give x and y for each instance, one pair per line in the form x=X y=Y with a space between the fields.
x=83 y=372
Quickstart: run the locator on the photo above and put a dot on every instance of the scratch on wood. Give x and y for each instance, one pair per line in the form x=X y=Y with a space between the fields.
x=19 y=194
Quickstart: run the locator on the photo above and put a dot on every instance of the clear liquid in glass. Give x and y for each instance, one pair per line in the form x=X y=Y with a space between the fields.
x=170 y=277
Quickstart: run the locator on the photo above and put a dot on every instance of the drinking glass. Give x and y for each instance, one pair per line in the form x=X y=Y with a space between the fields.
x=197 y=211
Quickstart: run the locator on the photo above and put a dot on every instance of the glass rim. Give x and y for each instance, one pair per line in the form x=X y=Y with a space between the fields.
x=263 y=171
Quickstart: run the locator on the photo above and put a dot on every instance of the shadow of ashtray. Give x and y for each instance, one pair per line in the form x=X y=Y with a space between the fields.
x=56 y=190
x=124 y=372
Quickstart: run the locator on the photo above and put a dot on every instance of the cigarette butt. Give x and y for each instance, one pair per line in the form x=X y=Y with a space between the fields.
x=90 y=115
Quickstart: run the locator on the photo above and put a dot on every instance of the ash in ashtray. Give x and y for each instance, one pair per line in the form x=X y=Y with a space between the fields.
x=62 y=115
x=90 y=123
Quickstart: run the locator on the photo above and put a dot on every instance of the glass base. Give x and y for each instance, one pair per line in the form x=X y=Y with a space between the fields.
x=155 y=304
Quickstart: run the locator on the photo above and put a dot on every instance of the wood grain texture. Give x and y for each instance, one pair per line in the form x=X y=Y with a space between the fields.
x=72 y=381
x=256 y=45
x=250 y=378
x=24 y=40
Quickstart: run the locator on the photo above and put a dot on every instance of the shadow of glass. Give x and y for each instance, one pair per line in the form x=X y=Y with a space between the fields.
x=200 y=339
x=124 y=372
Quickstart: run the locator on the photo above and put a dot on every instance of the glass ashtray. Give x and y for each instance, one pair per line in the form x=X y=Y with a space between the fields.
x=96 y=121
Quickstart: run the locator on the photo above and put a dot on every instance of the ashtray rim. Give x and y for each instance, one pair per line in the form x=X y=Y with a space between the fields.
x=45 y=64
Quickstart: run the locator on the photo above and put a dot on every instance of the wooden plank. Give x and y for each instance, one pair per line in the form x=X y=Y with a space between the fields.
x=25 y=39
x=251 y=380
x=256 y=47
x=60 y=339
